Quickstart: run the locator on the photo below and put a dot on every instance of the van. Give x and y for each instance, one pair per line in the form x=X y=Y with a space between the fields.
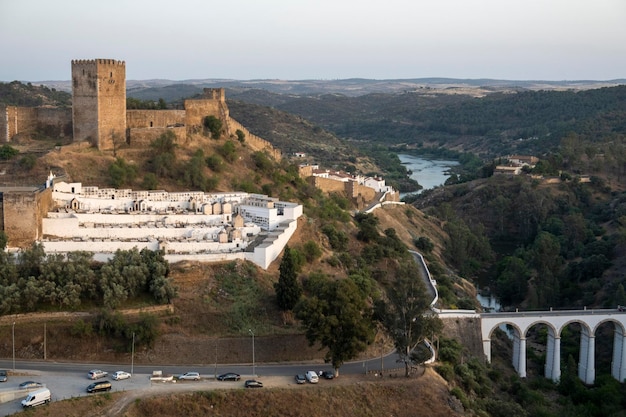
x=99 y=386
x=41 y=396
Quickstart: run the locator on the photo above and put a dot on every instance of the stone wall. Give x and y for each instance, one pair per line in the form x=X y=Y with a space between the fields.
x=253 y=141
x=22 y=211
x=154 y=118
x=466 y=331
x=197 y=110
x=143 y=137
x=327 y=185
x=27 y=120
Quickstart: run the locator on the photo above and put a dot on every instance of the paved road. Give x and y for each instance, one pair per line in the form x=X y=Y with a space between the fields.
x=67 y=380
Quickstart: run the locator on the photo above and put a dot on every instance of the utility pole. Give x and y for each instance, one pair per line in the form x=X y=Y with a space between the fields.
x=13 y=333
x=253 y=364
x=132 y=357
x=44 y=341
x=216 y=340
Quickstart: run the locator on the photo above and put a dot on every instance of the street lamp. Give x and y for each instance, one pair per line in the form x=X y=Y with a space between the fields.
x=253 y=365
x=13 y=332
x=132 y=357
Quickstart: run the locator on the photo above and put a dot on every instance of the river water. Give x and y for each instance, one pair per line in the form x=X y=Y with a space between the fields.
x=429 y=173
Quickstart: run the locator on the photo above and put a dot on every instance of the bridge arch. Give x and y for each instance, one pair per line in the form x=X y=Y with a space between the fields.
x=555 y=321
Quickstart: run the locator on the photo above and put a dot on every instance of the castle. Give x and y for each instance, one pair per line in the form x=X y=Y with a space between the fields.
x=99 y=115
x=189 y=225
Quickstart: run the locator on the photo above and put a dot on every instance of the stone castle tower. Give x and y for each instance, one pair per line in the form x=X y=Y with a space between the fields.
x=99 y=102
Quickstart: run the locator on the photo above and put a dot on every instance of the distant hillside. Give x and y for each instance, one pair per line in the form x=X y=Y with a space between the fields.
x=28 y=95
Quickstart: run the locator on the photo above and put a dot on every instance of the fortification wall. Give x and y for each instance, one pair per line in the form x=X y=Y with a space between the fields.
x=253 y=141
x=27 y=120
x=354 y=189
x=154 y=118
x=329 y=186
x=197 y=110
x=142 y=137
x=22 y=212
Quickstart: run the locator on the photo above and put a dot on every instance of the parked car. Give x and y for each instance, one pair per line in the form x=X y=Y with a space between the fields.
x=30 y=384
x=194 y=376
x=121 y=375
x=312 y=377
x=41 y=396
x=300 y=379
x=230 y=376
x=326 y=375
x=253 y=383
x=99 y=386
x=96 y=374
x=3 y=375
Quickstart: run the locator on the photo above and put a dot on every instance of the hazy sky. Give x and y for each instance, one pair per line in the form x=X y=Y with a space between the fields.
x=317 y=39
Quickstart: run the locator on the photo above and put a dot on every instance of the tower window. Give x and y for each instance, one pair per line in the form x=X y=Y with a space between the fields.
x=111 y=74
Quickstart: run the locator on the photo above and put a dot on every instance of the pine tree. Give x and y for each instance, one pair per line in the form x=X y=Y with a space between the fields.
x=288 y=289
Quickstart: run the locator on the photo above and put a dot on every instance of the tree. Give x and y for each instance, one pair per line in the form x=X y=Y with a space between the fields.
x=241 y=137
x=288 y=289
x=213 y=125
x=336 y=315
x=405 y=314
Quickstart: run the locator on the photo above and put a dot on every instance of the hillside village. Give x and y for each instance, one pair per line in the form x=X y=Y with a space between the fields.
x=67 y=216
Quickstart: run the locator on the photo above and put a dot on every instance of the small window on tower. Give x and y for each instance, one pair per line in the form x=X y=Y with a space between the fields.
x=111 y=74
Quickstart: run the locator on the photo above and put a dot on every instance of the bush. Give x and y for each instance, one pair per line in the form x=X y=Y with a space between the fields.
x=8 y=152
x=213 y=125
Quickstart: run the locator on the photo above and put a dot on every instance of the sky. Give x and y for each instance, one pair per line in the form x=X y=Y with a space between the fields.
x=317 y=39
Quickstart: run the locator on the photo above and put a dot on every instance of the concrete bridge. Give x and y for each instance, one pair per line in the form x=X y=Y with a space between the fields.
x=521 y=322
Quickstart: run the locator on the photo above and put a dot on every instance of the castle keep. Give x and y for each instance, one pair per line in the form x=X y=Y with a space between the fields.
x=99 y=116
x=99 y=102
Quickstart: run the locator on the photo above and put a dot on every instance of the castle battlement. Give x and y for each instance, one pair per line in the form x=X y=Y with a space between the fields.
x=98 y=62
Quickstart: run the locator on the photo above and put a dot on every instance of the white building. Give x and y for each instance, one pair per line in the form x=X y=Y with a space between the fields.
x=185 y=225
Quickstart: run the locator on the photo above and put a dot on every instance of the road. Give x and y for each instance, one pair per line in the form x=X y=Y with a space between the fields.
x=69 y=379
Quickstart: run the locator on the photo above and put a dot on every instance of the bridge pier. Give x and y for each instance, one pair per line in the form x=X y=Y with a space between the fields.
x=553 y=356
x=586 y=363
x=618 y=365
x=519 y=354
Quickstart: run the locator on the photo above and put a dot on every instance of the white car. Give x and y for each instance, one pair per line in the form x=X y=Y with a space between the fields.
x=312 y=377
x=120 y=375
x=194 y=376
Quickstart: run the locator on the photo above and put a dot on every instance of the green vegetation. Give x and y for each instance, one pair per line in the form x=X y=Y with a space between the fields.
x=405 y=315
x=27 y=95
x=136 y=104
x=35 y=280
x=122 y=173
x=288 y=289
x=8 y=152
x=335 y=314
x=213 y=125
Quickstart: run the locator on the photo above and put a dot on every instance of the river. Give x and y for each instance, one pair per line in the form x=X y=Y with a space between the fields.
x=429 y=173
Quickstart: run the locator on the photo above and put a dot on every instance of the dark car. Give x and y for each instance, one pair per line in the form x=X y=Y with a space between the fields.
x=230 y=376
x=326 y=375
x=300 y=379
x=30 y=384
x=3 y=375
x=253 y=383
x=99 y=386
